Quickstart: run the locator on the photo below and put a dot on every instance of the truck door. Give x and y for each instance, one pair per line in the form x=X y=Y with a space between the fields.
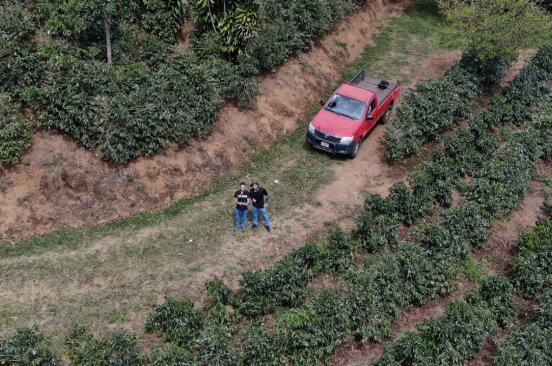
x=372 y=110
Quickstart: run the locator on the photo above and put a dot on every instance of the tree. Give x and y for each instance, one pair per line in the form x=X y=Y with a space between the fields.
x=494 y=29
x=90 y=21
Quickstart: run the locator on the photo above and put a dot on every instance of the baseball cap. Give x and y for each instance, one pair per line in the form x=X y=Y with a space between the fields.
x=255 y=181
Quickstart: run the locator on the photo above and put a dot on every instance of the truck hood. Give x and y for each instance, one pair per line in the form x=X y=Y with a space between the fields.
x=335 y=124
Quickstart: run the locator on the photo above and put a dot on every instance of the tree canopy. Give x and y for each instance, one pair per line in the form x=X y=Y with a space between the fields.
x=491 y=29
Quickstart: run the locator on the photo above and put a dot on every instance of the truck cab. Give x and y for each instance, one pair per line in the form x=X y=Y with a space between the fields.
x=349 y=115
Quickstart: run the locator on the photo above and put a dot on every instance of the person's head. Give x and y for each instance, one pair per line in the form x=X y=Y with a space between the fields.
x=255 y=184
x=242 y=186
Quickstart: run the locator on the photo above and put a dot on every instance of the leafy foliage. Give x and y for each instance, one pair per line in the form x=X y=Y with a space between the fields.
x=457 y=336
x=116 y=348
x=311 y=334
x=491 y=29
x=529 y=344
x=26 y=347
x=15 y=132
x=429 y=109
x=177 y=319
x=282 y=286
x=532 y=266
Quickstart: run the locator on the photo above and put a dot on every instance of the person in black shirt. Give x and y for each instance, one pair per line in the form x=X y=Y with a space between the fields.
x=259 y=197
x=242 y=200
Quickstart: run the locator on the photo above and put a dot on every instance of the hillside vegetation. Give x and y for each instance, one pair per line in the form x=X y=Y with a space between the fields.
x=114 y=75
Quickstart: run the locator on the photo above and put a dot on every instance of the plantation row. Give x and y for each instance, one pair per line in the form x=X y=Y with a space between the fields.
x=529 y=344
x=435 y=106
x=372 y=292
x=456 y=337
x=52 y=59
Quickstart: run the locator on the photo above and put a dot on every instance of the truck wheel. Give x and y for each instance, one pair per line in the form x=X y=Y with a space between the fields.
x=387 y=114
x=356 y=148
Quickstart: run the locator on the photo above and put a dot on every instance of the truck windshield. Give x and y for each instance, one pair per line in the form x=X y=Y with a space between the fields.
x=346 y=106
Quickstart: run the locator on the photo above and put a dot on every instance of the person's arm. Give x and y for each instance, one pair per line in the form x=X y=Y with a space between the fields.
x=267 y=198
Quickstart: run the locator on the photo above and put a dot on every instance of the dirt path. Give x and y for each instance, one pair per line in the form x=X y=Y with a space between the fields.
x=60 y=184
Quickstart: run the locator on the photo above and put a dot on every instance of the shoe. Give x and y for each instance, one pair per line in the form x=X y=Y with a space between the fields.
x=243 y=230
x=267 y=228
x=253 y=227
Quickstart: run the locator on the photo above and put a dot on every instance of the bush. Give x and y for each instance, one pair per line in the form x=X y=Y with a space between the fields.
x=26 y=347
x=532 y=266
x=428 y=110
x=311 y=334
x=214 y=342
x=411 y=276
x=457 y=336
x=489 y=71
x=170 y=355
x=116 y=348
x=127 y=111
x=542 y=123
x=340 y=252
x=15 y=132
x=177 y=319
x=503 y=182
x=260 y=348
x=263 y=291
x=375 y=232
x=219 y=292
x=529 y=344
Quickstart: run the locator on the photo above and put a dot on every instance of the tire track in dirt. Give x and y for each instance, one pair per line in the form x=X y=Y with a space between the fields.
x=60 y=184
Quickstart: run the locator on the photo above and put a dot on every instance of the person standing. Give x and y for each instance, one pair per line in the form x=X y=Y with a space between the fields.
x=260 y=198
x=242 y=200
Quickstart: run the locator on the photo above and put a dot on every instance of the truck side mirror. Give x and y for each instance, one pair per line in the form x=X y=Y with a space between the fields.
x=322 y=101
x=369 y=117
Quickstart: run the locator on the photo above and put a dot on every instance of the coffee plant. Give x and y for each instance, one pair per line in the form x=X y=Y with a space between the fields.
x=116 y=348
x=429 y=109
x=15 y=132
x=456 y=337
x=27 y=347
x=177 y=319
x=532 y=266
x=529 y=344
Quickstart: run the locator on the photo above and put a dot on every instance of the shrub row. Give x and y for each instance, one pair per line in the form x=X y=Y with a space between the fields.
x=283 y=285
x=15 y=132
x=472 y=147
x=530 y=87
x=456 y=337
x=529 y=344
x=152 y=95
x=429 y=109
x=126 y=112
x=436 y=105
x=532 y=266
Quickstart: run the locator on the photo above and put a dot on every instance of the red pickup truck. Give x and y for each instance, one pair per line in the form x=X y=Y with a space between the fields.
x=351 y=113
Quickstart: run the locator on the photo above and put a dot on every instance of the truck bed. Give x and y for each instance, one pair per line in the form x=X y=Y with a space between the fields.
x=373 y=84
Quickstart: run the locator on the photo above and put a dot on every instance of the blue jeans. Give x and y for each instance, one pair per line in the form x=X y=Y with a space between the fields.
x=256 y=216
x=241 y=219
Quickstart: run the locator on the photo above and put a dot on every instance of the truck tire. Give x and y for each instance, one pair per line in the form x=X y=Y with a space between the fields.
x=355 y=150
x=387 y=114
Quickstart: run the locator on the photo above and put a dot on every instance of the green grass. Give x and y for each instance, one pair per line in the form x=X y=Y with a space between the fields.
x=113 y=274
